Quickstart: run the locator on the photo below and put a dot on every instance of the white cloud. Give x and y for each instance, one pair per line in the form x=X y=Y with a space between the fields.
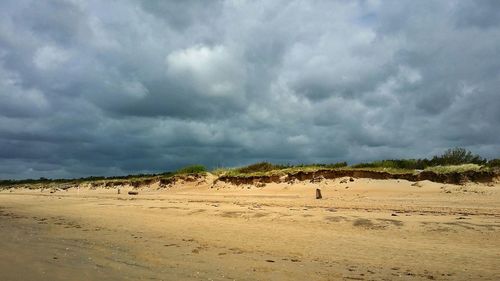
x=214 y=71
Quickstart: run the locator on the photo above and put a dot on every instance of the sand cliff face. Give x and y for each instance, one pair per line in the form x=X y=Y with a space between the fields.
x=451 y=178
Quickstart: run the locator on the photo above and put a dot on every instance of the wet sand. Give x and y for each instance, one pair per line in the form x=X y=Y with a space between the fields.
x=361 y=230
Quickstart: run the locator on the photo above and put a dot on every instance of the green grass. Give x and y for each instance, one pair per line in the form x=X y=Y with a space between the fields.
x=384 y=169
x=237 y=172
x=268 y=169
x=456 y=168
x=194 y=169
x=222 y=171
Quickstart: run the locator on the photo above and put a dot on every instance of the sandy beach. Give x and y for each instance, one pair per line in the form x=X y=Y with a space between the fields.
x=361 y=230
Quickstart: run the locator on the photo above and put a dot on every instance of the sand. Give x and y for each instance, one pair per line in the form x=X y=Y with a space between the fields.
x=361 y=230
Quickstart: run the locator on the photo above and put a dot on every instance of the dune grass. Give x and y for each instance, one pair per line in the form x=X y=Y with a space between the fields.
x=284 y=170
x=193 y=169
x=269 y=170
x=456 y=168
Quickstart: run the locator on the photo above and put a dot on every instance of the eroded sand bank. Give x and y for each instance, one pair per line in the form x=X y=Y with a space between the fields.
x=361 y=230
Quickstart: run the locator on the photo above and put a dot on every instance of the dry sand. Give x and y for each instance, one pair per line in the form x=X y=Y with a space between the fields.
x=361 y=230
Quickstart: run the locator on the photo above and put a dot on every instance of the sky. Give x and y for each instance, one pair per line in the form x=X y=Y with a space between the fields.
x=124 y=87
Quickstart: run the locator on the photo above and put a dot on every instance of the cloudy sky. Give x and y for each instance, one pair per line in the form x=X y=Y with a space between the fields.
x=120 y=87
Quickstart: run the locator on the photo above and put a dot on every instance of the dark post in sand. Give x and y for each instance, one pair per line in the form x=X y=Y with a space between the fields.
x=318 y=193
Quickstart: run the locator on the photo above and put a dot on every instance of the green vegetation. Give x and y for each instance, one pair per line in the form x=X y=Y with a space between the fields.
x=260 y=167
x=129 y=178
x=328 y=166
x=390 y=170
x=452 y=160
x=268 y=169
x=457 y=156
x=493 y=163
x=194 y=169
x=455 y=168
x=410 y=164
x=453 y=156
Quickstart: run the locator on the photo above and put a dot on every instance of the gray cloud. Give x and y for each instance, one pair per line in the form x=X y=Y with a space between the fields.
x=105 y=88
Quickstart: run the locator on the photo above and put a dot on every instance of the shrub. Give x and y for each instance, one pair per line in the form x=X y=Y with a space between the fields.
x=457 y=156
x=194 y=169
x=493 y=163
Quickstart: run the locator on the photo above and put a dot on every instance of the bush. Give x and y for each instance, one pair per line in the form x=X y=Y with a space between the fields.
x=493 y=163
x=457 y=156
x=194 y=169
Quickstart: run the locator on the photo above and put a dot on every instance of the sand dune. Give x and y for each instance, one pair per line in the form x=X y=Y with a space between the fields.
x=361 y=230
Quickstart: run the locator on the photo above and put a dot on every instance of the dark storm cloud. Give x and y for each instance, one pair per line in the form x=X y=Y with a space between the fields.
x=117 y=87
x=483 y=16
